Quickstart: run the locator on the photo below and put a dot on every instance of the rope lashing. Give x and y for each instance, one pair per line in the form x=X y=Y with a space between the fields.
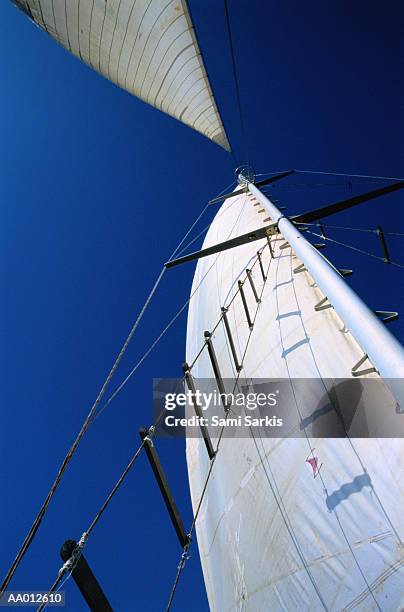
x=76 y=554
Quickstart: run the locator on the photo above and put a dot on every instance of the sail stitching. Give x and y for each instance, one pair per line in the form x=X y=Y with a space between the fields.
x=167 y=30
x=321 y=478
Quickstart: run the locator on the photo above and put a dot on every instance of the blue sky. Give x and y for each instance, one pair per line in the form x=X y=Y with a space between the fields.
x=96 y=190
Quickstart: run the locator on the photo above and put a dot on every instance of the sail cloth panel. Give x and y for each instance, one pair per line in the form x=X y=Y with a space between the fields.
x=270 y=535
x=147 y=47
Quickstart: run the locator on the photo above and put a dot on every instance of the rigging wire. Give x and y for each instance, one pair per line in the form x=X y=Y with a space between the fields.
x=367 y=176
x=88 y=420
x=38 y=519
x=236 y=83
x=65 y=570
x=344 y=174
x=353 y=229
x=150 y=349
x=99 y=397
x=159 y=337
x=311 y=185
x=349 y=246
x=399 y=234
x=184 y=555
x=202 y=232
x=315 y=185
x=71 y=563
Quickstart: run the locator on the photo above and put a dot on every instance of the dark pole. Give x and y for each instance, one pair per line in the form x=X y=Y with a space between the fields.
x=85 y=580
x=164 y=488
x=380 y=232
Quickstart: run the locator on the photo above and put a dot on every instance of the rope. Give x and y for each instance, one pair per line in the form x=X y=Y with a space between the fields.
x=236 y=83
x=184 y=555
x=69 y=566
x=35 y=525
x=89 y=419
x=76 y=554
x=151 y=347
x=71 y=563
x=201 y=233
x=51 y=590
x=159 y=337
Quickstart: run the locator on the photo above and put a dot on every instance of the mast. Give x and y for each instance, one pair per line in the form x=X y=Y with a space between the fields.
x=384 y=351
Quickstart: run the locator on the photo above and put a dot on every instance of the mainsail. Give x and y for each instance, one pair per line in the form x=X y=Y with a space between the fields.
x=271 y=534
x=147 y=47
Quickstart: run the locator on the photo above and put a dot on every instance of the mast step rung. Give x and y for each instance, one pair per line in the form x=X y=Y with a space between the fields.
x=270 y=247
x=198 y=411
x=256 y=204
x=285 y=245
x=282 y=207
x=300 y=268
x=386 y=316
x=320 y=225
x=303 y=228
x=243 y=299
x=319 y=245
x=163 y=486
x=84 y=578
x=323 y=305
x=262 y=210
x=253 y=289
x=237 y=364
x=215 y=367
x=380 y=233
x=356 y=372
x=264 y=276
x=345 y=272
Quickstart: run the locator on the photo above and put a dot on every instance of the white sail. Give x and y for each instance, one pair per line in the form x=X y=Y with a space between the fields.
x=271 y=536
x=147 y=47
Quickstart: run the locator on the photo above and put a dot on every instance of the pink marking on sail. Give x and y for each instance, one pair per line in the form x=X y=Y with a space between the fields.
x=314 y=464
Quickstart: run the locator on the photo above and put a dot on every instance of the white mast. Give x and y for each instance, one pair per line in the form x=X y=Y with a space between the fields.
x=383 y=349
x=271 y=534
